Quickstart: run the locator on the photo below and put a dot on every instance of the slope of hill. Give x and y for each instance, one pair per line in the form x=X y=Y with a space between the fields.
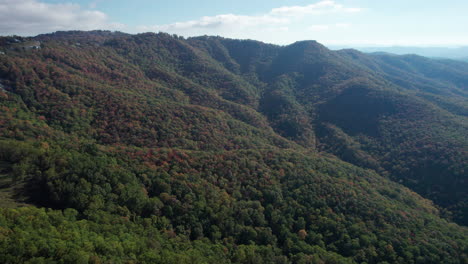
x=152 y=148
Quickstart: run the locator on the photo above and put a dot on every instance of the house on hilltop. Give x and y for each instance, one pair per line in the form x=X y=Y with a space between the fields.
x=28 y=45
x=31 y=45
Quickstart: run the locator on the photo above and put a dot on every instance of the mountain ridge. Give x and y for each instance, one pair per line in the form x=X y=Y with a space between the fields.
x=454 y=53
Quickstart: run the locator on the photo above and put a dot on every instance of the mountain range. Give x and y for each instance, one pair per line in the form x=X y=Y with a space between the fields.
x=154 y=148
x=455 y=53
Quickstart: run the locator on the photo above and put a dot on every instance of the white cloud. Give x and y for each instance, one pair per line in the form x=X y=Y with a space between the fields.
x=223 y=21
x=326 y=27
x=286 y=19
x=343 y=25
x=279 y=25
x=323 y=7
x=277 y=16
x=282 y=29
x=228 y=25
x=31 y=17
x=319 y=27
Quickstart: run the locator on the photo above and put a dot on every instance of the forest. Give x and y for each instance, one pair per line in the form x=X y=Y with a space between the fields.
x=154 y=148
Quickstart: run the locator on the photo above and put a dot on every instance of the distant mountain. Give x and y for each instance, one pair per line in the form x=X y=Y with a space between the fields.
x=457 y=53
x=153 y=148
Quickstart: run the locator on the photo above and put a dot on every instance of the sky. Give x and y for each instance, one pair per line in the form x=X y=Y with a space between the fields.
x=331 y=22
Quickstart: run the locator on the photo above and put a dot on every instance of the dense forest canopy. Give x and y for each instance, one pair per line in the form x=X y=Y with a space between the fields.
x=153 y=148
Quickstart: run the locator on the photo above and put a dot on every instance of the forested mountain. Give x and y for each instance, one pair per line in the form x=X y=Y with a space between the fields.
x=152 y=148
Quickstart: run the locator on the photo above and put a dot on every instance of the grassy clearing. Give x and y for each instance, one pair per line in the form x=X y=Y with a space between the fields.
x=11 y=195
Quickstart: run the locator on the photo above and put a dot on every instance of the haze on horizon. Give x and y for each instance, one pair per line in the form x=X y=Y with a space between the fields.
x=353 y=23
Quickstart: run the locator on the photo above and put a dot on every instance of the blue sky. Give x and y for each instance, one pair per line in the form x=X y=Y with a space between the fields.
x=332 y=22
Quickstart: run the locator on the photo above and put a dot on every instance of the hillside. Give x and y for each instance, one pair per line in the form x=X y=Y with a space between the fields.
x=152 y=148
